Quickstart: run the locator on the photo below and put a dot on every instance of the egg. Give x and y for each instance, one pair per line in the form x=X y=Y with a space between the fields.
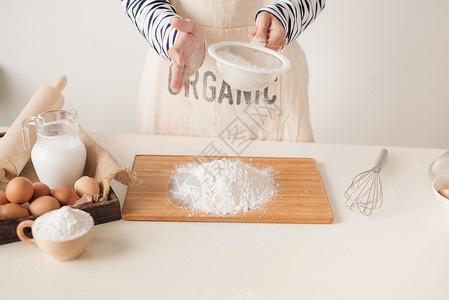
x=12 y=211
x=19 y=190
x=43 y=204
x=87 y=186
x=3 y=199
x=444 y=193
x=40 y=189
x=65 y=194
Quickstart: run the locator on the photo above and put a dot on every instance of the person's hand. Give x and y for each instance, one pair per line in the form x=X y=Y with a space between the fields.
x=269 y=30
x=187 y=53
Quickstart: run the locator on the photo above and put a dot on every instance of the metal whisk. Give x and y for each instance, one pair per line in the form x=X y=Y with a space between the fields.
x=365 y=191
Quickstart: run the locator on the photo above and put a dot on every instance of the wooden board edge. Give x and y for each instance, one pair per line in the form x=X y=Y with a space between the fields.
x=217 y=157
x=325 y=193
x=123 y=214
x=226 y=220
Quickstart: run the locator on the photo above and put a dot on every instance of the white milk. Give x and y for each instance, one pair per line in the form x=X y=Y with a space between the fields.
x=58 y=159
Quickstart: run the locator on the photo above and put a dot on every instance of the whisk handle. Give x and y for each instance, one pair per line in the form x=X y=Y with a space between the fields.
x=381 y=159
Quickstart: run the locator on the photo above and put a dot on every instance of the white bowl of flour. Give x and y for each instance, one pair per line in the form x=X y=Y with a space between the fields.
x=62 y=234
x=248 y=66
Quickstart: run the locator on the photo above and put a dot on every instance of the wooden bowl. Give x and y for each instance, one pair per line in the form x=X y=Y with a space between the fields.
x=56 y=250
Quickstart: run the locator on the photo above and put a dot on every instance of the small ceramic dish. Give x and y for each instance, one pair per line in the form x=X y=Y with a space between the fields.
x=441 y=182
x=439 y=166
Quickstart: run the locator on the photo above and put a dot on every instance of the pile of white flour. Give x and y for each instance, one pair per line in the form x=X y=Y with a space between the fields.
x=63 y=224
x=222 y=187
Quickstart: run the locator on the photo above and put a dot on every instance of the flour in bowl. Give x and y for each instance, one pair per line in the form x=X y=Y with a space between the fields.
x=238 y=60
x=63 y=224
x=222 y=187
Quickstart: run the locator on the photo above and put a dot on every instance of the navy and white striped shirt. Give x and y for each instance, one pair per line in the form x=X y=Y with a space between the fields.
x=151 y=18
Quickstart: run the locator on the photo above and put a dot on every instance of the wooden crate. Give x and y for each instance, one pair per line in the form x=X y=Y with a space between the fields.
x=102 y=212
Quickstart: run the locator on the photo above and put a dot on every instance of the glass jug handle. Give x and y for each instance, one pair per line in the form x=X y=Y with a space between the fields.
x=26 y=131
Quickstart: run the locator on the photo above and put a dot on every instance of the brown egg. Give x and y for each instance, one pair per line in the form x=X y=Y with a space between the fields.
x=64 y=194
x=19 y=190
x=12 y=211
x=40 y=189
x=43 y=204
x=444 y=193
x=87 y=186
x=3 y=199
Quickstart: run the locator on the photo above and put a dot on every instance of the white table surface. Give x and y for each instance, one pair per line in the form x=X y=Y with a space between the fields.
x=399 y=252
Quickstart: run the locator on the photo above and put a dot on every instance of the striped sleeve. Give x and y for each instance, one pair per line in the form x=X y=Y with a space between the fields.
x=152 y=20
x=295 y=15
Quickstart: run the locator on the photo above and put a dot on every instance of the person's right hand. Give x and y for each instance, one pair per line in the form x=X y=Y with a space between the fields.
x=187 y=53
x=269 y=30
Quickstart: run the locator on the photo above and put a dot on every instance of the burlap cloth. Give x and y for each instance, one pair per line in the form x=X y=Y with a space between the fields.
x=101 y=165
x=15 y=161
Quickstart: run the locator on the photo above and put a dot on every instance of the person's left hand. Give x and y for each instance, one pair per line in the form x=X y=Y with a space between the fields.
x=269 y=30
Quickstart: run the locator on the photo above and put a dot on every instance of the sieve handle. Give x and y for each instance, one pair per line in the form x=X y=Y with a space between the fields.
x=256 y=43
x=381 y=158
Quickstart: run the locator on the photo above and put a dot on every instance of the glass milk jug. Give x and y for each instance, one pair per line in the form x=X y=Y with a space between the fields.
x=58 y=156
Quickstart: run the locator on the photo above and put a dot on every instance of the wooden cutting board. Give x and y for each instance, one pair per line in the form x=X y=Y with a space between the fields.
x=301 y=195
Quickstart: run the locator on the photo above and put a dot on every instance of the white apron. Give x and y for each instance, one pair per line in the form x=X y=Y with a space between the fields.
x=211 y=108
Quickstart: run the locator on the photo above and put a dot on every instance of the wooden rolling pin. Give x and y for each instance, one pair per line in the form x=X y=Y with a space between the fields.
x=13 y=156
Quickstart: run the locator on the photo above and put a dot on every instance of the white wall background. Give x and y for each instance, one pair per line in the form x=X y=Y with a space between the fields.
x=379 y=70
